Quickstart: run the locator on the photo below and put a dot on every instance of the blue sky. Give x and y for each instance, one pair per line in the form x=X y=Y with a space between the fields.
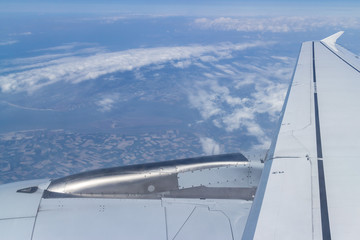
x=187 y=7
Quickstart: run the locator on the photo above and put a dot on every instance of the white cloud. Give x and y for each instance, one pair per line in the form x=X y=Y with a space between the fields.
x=182 y=64
x=74 y=69
x=27 y=108
x=205 y=102
x=270 y=99
x=282 y=58
x=139 y=75
x=210 y=146
x=113 y=19
x=207 y=58
x=10 y=42
x=239 y=118
x=21 y=34
x=275 y=24
x=198 y=64
x=49 y=59
x=259 y=89
x=106 y=102
x=70 y=47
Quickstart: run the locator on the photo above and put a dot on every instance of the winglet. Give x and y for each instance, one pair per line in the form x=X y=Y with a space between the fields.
x=331 y=40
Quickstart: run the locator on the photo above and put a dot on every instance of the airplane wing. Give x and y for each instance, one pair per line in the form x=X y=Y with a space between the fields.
x=306 y=189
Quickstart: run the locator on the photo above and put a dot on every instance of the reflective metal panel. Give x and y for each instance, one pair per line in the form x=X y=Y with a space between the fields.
x=161 y=179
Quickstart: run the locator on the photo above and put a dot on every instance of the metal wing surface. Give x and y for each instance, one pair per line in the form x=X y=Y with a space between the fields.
x=308 y=189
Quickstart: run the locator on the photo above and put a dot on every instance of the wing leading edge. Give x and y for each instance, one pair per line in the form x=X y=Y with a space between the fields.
x=307 y=187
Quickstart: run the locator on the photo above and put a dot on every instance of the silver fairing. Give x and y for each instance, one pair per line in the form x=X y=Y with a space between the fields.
x=228 y=176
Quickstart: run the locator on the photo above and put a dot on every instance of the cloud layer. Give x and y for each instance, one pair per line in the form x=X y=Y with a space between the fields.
x=48 y=69
x=274 y=24
x=228 y=94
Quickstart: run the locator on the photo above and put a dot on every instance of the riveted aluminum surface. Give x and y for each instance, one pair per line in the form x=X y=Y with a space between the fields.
x=235 y=176
x=161 y=179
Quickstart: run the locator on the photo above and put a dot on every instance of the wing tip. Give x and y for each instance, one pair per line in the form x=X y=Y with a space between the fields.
x=331 y=40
